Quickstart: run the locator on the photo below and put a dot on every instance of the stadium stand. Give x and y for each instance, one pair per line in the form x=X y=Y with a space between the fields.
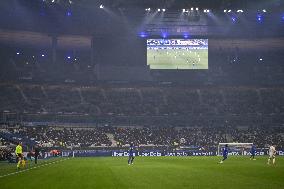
x=90 y=137
x=140 y=101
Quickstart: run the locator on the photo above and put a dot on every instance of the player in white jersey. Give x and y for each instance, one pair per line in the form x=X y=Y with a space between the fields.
x=272 y=154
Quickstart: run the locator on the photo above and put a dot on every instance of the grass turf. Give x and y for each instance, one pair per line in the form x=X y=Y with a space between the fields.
x=151 y=172
x=177 y=58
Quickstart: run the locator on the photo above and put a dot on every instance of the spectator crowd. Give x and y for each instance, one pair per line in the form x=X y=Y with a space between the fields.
x=88 y=137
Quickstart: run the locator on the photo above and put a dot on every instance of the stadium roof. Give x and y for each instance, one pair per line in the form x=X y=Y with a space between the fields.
x=212 y=4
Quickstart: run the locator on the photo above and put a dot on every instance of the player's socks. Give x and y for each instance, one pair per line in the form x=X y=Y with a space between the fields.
x=132 y=160
x=23 y=163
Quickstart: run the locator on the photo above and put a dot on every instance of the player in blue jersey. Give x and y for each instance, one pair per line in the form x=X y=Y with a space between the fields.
x=131 y=154
x=225 y=153
x=252 y=151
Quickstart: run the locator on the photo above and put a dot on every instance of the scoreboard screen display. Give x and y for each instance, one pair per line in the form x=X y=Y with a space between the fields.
x=178 y=54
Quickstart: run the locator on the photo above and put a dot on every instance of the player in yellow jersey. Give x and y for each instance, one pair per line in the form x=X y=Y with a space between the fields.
x=19 y=154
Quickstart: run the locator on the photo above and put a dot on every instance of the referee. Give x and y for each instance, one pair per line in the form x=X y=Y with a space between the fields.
x=19 y=154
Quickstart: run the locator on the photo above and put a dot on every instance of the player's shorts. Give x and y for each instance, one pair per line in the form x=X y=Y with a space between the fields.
x=271 y=156
x=20 y=155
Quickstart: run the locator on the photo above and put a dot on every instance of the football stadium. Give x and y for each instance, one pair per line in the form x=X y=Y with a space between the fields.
x=158 y=94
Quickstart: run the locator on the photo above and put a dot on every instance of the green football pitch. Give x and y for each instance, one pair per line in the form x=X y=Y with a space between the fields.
x=147 y=172
x=177 y=58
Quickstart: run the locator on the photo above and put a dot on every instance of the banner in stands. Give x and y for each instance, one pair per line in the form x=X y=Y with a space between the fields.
x=153 y=153
x=164 y=153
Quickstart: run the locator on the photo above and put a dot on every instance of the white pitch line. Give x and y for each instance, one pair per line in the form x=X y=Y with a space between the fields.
x=25 y=170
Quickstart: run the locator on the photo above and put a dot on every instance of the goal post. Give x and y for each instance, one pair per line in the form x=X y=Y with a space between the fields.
x=235 y=146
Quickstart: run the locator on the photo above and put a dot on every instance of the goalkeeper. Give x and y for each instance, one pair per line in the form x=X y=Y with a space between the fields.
x=225 y=153
x=252 y=151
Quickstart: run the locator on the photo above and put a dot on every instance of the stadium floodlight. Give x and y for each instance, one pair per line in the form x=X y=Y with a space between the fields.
x=196 y=8
x=68 y=13
x=163 y=10
x=186 y=35
x=191 y=8
x=259 y=18
x=159 y=10
x=143 y=34
x=263 y=10
x=102 y=6
x=164 y=35
x=185 y=10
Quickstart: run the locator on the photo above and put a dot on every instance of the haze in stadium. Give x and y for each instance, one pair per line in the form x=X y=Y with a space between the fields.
x=160 y=94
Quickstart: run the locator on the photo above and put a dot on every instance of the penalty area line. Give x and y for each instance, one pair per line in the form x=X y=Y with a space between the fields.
x=36 y=167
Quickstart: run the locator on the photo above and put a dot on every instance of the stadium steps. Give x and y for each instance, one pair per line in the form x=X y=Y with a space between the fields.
x=111 y=138
x=223 y=97
x=44 y=92
x=259 y=96
x=103 y=93
x=140 y=95
x=199 y=96
x=81 y=96
x=165 y=100
x=12 y=62
x=98 y=109
x=22 y=94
